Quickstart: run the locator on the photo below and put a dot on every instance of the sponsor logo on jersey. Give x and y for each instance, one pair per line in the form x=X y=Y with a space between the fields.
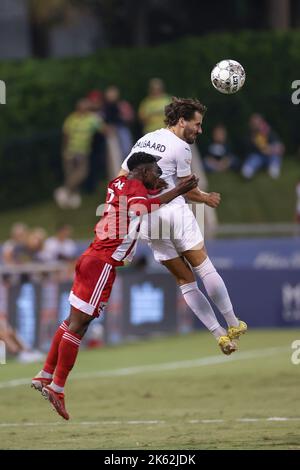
x=150 y=145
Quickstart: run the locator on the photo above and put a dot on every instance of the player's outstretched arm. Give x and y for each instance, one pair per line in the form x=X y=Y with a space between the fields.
x=210 y=199
x=140 y=205
x=196 y=195
x=184 y=186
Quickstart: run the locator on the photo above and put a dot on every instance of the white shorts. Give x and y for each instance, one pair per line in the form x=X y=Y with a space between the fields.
x=170 y=231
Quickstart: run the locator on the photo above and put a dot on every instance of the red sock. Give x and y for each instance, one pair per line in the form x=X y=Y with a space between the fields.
x=67 y=353
x=52 y=356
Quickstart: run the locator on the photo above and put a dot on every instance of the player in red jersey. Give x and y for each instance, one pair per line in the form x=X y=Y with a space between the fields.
x=114 y=242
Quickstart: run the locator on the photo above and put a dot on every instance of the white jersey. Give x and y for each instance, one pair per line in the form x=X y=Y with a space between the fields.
x=174 y=153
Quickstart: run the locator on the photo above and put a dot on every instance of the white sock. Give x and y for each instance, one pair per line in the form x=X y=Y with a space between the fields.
x=217 y=291
x=56 y=388
x=199 y=304
x=44 y=374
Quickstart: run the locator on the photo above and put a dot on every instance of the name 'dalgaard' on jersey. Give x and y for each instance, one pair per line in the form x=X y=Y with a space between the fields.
x=147 y=144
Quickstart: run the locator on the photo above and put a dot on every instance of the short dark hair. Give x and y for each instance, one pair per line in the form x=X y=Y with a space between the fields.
x=182 y=108
x=140 y=159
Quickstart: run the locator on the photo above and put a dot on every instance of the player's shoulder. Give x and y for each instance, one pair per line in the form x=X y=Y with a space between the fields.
x=118 y=183
x=183 y=146
x=122 y=178
x=134 y=183
x=151 y=135
x=175 y=141
x=162 y=133
x=136 y=189
x=126 y=185
x=154 y=136
x=180 y=149
x=154 y=143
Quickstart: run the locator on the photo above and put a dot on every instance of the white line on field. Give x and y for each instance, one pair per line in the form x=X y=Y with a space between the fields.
x=150 y=422
x=204 y=361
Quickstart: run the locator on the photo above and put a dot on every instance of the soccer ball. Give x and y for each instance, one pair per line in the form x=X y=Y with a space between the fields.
x=228 y=76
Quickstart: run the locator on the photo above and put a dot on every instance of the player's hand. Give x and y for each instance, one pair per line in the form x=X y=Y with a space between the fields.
x=187 y=184
x=161 y=184
x=213 y=200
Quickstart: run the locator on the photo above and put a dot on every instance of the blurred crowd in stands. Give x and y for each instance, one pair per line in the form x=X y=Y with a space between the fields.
x=26 y=250
x=263 y=148
x=32 y=245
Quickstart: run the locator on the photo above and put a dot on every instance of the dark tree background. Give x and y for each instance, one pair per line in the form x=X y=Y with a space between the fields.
x=152 y=22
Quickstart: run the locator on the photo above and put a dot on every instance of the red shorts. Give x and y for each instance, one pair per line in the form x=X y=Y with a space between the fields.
x=92 y=285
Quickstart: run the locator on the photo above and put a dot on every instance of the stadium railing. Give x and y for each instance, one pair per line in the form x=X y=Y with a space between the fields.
x=34 y=300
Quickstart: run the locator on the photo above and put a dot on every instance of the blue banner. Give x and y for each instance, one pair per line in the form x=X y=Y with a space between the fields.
x=258 y=253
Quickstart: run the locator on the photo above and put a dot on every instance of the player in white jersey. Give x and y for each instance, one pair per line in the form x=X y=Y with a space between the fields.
x=183 y=251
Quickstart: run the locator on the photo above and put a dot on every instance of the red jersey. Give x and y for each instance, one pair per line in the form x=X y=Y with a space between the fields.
x=118 y=229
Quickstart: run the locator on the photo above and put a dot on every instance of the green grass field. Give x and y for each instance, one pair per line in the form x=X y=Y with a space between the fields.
x=260 y=200
x=178 y=392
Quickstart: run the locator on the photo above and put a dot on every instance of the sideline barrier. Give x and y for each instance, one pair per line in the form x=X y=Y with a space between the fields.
x=262 y=276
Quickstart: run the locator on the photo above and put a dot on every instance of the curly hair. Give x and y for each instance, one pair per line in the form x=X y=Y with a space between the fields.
x=182 y=108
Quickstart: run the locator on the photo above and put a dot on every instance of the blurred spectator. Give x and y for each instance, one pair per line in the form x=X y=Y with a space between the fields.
x=35 y=244
x=151 y=110
x=95 y=335
x=14 y=250
x=119 y=114
x=265 y=149
x=95 y=98
x=78 y=131
x=13 y=343
x=61 y=246
x=8 y=335
x=219 y=157
x=298 y=202
x=97 y=157
x=15 y=346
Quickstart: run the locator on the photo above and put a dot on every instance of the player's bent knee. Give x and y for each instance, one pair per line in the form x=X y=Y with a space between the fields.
x=79 y=329
x=182 y=281
x=79 y=322
x=196 y=257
